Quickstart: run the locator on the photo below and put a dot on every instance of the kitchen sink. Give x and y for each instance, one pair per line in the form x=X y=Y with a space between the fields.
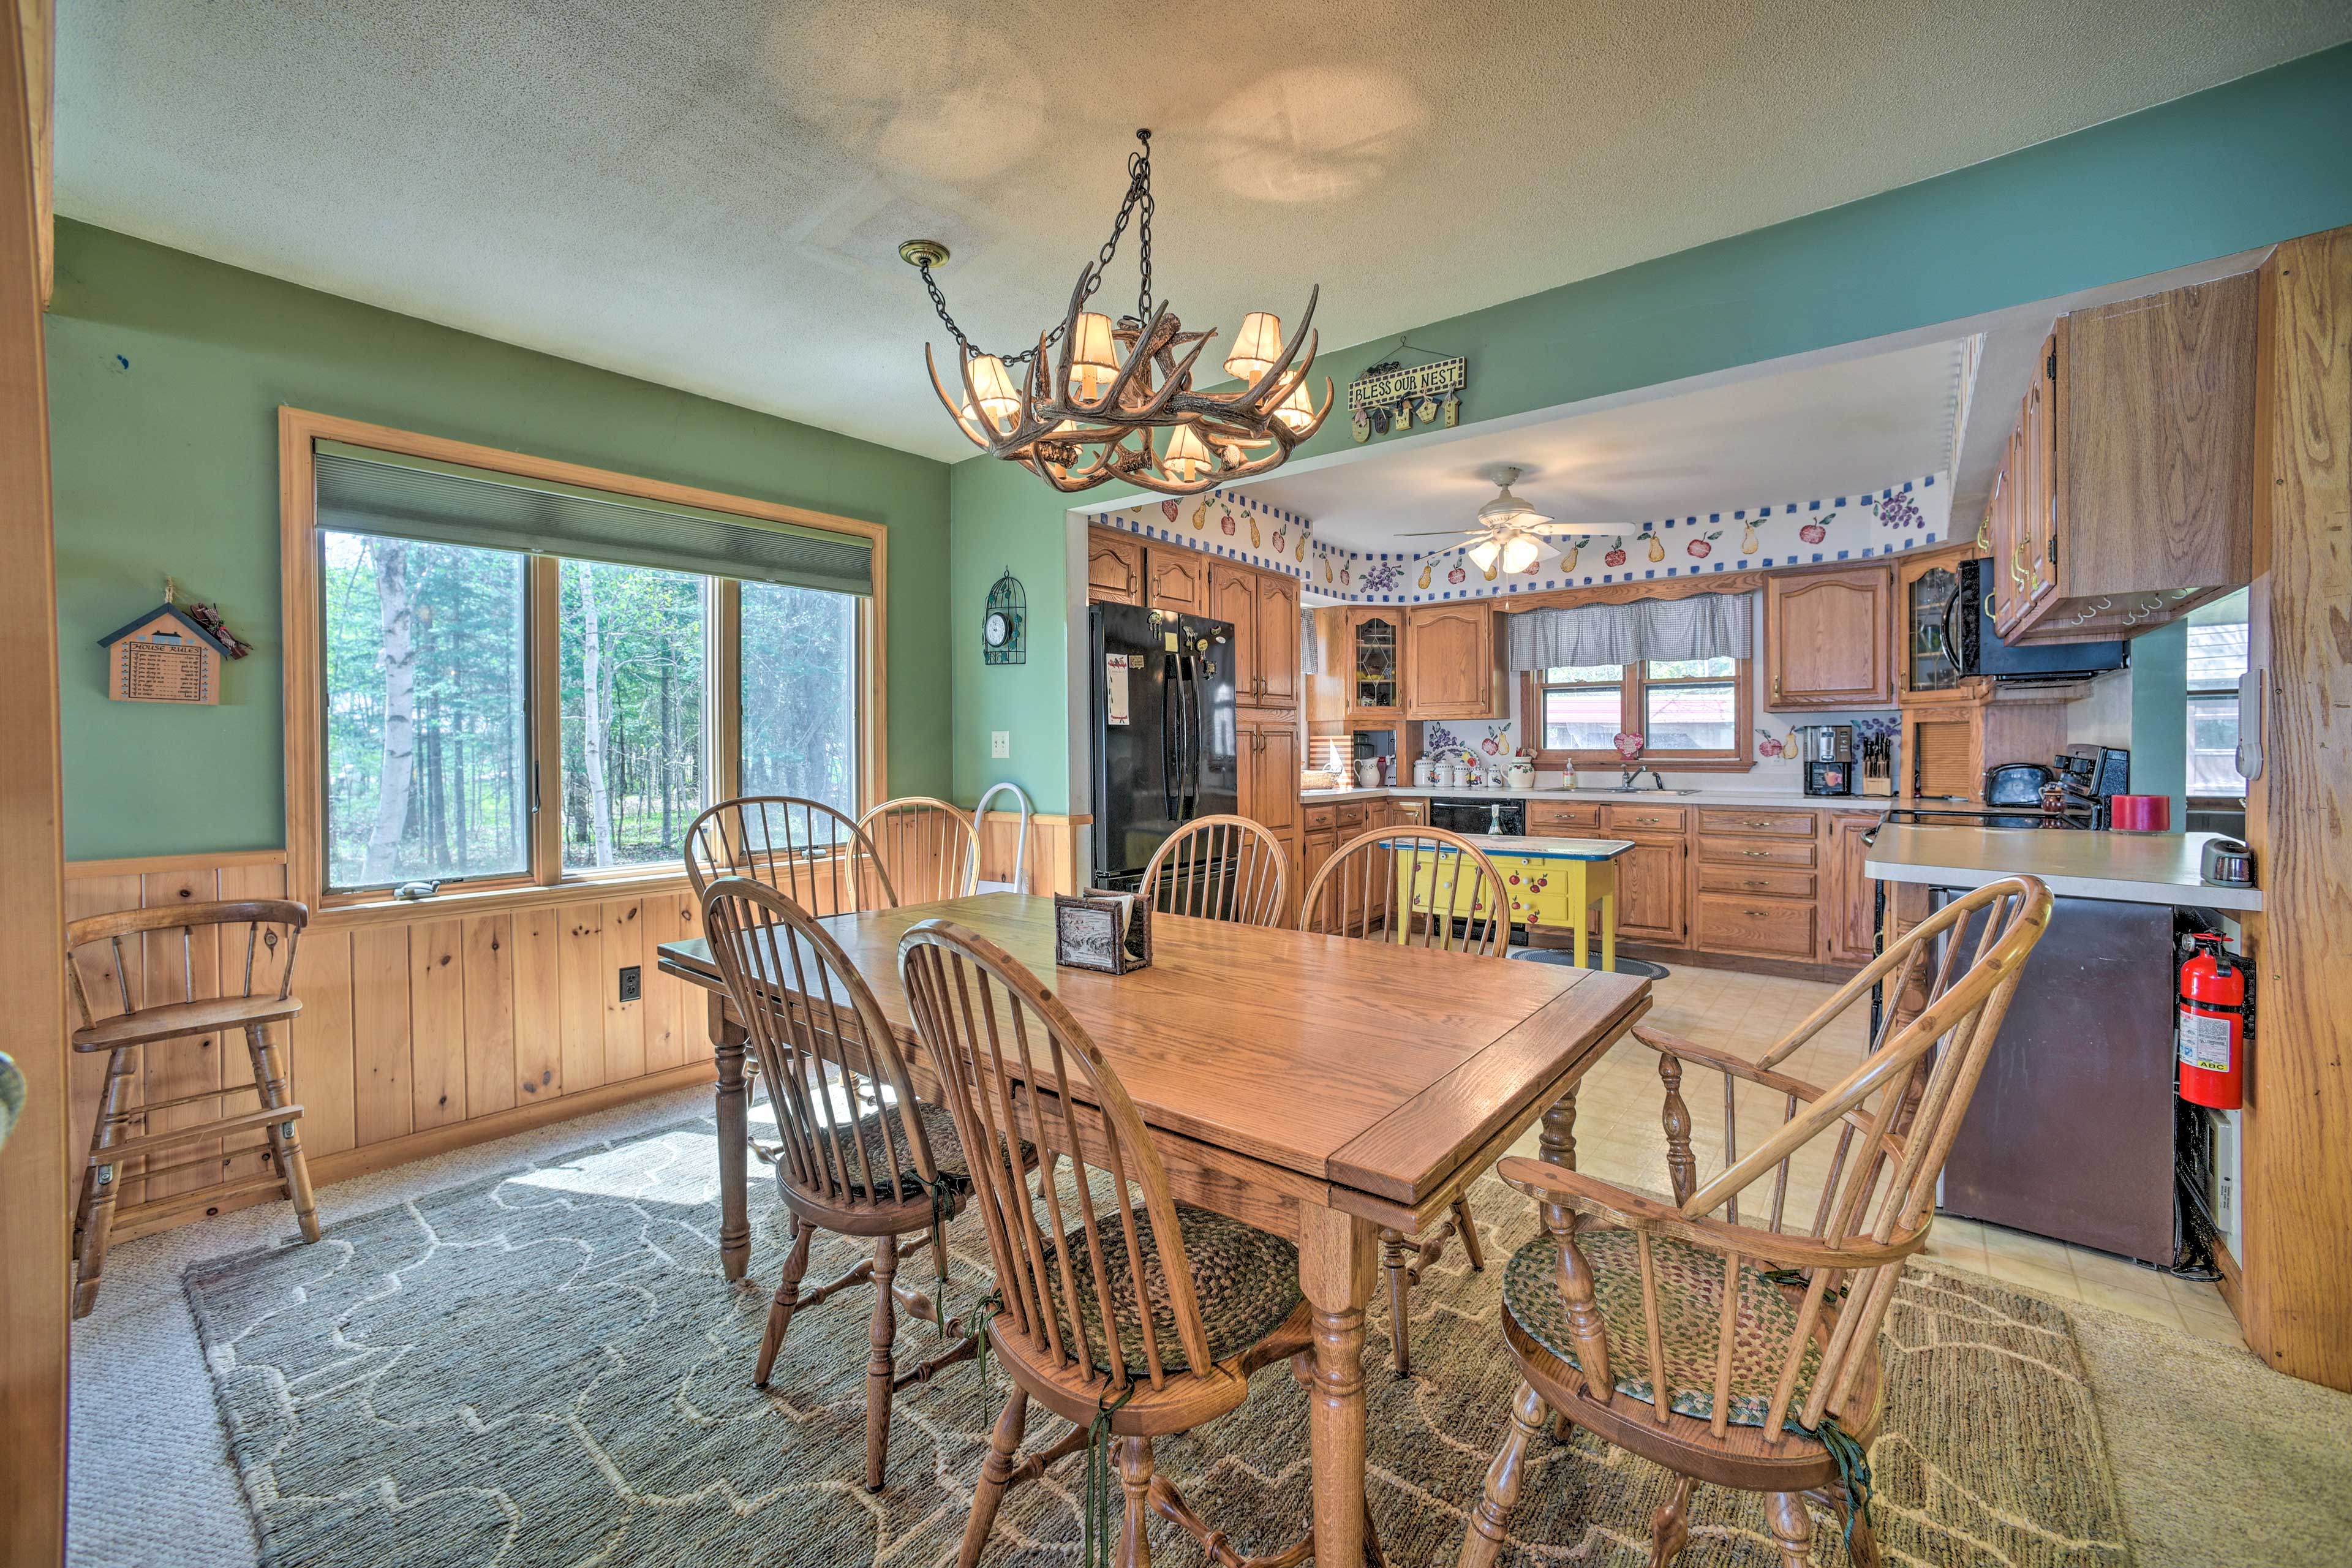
x=1636 y=789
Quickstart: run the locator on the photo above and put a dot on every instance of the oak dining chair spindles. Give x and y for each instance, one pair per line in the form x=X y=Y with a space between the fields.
x=1743 y=1351
x=813 y=854
x=177 y=949
x=860 y=1154
x=1126 y=1313
x=1219 y=868
x=930 y=848
x=1368 y=889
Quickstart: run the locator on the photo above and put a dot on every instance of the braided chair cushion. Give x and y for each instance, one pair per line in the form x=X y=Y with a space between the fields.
x=947 y=1151
x=1690 y=1316
x=1246 y=1280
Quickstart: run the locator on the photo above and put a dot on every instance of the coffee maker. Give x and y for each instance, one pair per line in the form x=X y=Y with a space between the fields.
x=1827 y=750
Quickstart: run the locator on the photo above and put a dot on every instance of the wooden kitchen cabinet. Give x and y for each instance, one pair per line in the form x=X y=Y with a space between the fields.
x=1114 y=567
x=1275 y=616
x=1651 y=902
x=1849 y=907
x=1828 y=639
x=1179 y=581
x=1269 y=772
x=2127 y=498
x=1233 y=599
x=1928 y=582
x=1946 y=749
x=1454 y=663
x=1375 y=651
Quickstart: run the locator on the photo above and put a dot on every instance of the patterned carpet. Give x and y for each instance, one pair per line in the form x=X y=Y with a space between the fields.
x=544 y=1368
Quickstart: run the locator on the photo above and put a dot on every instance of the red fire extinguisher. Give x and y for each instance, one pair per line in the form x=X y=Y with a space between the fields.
x=2213 y=1025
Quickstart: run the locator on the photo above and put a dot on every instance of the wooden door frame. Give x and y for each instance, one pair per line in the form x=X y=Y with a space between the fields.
x=36 y=1164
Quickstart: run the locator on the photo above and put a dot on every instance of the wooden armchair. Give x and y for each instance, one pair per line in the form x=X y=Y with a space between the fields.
x=1370 y=888
x=1126 y=1313
x=1743 y=1352
x=1219 y=868
x=806 y=850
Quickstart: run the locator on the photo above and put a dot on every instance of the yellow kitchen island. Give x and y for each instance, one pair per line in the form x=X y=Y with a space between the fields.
x=1552 y=882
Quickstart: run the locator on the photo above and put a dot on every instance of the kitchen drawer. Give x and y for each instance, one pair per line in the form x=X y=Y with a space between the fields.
x=1731 y=819
x=1350 y=814
x=1321 y=818
x=1557 y=816
x=1757 y=851
x=1642 y=819
x=1776 y=928
x=1756 y=880
x=1415 y=811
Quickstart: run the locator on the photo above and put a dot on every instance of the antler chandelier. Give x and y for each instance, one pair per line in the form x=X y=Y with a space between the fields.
x=1089 y=415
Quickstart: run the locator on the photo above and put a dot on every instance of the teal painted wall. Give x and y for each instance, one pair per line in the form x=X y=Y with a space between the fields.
x=2247 y=163
x=165 y=376
x=2160 y=716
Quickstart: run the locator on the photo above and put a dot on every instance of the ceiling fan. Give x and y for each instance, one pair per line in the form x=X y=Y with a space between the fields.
x=1507 y=527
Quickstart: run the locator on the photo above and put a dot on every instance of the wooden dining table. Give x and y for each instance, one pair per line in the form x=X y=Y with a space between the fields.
x=1316 y=1087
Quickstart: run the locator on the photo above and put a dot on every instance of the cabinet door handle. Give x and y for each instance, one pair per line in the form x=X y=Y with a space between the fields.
x=1758 y=915
x=1776 y=688
x=1764 y=823
x=1757 y=854
x=1755 y=882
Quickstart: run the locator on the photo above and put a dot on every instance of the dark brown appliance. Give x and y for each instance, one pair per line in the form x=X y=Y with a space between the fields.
x=2091 y=777
x=2016 y=783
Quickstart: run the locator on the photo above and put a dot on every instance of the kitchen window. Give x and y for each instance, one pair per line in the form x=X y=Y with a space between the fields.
x=522 y=681
x=2217 y=658
x=1693 y=712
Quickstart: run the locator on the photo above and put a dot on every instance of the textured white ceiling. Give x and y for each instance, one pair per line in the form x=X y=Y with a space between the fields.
x=1794 y=435
x=709 y=193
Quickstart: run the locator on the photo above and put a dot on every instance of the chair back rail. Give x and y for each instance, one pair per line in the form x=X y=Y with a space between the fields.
x=1371 y=885
x=1014 y=1064
x=1889 y=1123
x=269 y=925
x=825 y=1048
x=813 y=855
x=1219 y=868
x=930 y=848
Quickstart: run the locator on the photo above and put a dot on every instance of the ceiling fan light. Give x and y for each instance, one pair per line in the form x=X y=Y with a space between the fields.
x=993 y=389
x=1520 y=553
x=1094 y=355
x=1256 y=347
x=1484 y=552
x=1295 y=412
x=1188 y=458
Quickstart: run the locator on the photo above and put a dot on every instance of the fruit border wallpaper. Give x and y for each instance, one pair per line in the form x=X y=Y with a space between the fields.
x=1860 y=525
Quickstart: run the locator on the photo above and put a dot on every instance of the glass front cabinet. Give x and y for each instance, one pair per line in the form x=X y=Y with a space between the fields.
x=1925 y=589
x=1375 y=664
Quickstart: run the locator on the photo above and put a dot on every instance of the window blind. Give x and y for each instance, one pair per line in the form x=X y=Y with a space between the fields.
x=364 y=491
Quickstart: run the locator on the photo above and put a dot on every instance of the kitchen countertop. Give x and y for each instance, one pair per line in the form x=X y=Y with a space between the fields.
x=2127 y=868
x=1533 y=848
x=1645 y=797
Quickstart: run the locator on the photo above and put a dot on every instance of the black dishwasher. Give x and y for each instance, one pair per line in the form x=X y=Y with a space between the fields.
x=1460 y=814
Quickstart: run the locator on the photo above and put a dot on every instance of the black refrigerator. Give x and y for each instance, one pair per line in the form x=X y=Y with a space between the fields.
x=1165 y=748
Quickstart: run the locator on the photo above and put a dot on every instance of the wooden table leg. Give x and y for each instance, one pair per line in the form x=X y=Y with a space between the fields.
x=1557 y=1143
x=727 y=1042
x=1338 y=1254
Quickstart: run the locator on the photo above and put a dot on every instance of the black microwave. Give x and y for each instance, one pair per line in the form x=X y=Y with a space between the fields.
x=1974 y=649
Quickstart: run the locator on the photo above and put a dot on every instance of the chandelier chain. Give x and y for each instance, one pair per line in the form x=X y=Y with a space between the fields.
x=1139 y=196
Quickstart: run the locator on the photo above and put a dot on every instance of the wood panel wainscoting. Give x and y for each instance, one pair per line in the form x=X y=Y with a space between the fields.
x=431 y=1027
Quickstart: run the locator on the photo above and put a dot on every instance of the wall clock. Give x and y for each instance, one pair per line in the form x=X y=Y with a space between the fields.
x=1004 y=624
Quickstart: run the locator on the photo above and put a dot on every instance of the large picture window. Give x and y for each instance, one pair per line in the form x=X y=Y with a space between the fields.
x=520 y=682
x=1692 y=713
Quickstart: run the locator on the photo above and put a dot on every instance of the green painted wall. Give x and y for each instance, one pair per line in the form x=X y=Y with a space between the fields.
x=2247 y=163
x=165 y=376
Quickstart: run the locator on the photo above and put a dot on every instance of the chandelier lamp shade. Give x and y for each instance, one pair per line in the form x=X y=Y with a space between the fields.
x=1097 y=400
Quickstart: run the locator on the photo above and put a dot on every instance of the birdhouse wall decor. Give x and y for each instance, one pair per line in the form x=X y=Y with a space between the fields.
x=166 y=656
x=1004 y=625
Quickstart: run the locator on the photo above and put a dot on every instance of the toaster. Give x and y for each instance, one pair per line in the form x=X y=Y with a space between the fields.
x=2015 y=783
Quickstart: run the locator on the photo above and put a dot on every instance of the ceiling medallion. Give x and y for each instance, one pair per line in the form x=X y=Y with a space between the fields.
x=1089 y=415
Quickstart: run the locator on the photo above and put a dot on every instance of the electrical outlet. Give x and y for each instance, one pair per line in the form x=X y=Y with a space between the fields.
x=633 y=984
x=1000 y=743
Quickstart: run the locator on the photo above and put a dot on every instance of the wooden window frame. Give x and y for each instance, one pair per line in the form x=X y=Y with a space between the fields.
x=1631 y=717
x=546 y=882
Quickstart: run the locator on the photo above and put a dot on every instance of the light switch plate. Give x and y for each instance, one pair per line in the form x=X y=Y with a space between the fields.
x=1000 y=743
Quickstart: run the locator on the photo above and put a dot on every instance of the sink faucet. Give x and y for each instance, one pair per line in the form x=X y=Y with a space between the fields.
x=1627 y=782
x=1657 y=781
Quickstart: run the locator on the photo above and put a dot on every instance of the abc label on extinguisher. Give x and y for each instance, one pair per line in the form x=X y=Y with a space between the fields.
x=2204 y=1042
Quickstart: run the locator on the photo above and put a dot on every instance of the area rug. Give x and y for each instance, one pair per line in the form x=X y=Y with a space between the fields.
x=547 y=1368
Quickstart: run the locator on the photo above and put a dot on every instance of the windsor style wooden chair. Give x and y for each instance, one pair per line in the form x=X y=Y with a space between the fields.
x=930 y=848
x=860 y=1154
x=1370 y=888
x=1128 y=1314
x=1744 y=1354
x=813 y=855
x=1219 y=868
x=99 y=963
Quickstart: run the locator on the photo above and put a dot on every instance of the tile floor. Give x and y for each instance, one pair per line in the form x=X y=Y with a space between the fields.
x=1618 y=1137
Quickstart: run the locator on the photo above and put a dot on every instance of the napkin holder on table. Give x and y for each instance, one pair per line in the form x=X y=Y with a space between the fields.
x=1103 y=931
